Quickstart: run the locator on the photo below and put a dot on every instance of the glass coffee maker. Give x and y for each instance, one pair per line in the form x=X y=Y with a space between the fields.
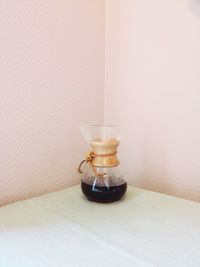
x=101 y=180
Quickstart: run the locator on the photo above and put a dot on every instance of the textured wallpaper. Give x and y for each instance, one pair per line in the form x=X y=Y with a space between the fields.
x=51 y=78
x=153 y=87
x=56 y=59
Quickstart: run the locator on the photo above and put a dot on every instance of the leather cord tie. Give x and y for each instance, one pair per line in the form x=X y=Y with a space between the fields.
x=89 y=158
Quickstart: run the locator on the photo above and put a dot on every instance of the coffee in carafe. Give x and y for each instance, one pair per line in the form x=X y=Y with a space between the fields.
x=101 y=181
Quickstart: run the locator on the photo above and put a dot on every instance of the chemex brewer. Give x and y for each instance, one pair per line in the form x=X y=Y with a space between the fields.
x=101 y=181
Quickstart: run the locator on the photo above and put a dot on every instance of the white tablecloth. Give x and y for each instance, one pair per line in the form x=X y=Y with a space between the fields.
x=63 y=229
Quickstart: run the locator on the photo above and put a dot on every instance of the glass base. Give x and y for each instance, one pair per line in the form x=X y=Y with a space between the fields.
x=103 y=194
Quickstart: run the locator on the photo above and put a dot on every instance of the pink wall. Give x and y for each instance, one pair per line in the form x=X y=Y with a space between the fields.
x=52 y=75
x=53 y=65
x=153 y=86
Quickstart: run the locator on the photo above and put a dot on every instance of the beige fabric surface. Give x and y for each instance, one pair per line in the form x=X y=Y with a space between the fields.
x=64 y=229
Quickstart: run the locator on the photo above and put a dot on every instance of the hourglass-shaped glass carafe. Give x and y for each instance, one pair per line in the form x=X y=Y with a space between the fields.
x=102 y=181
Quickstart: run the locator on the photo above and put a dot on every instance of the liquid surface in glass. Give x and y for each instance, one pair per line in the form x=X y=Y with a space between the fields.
x=103 y=190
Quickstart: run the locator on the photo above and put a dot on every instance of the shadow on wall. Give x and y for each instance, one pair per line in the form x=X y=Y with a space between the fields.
x=194 y=7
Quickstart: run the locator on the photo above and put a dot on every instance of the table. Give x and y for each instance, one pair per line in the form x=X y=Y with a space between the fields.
x=63 y=229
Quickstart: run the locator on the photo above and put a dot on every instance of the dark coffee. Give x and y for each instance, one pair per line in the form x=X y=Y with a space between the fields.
x=104 y=194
